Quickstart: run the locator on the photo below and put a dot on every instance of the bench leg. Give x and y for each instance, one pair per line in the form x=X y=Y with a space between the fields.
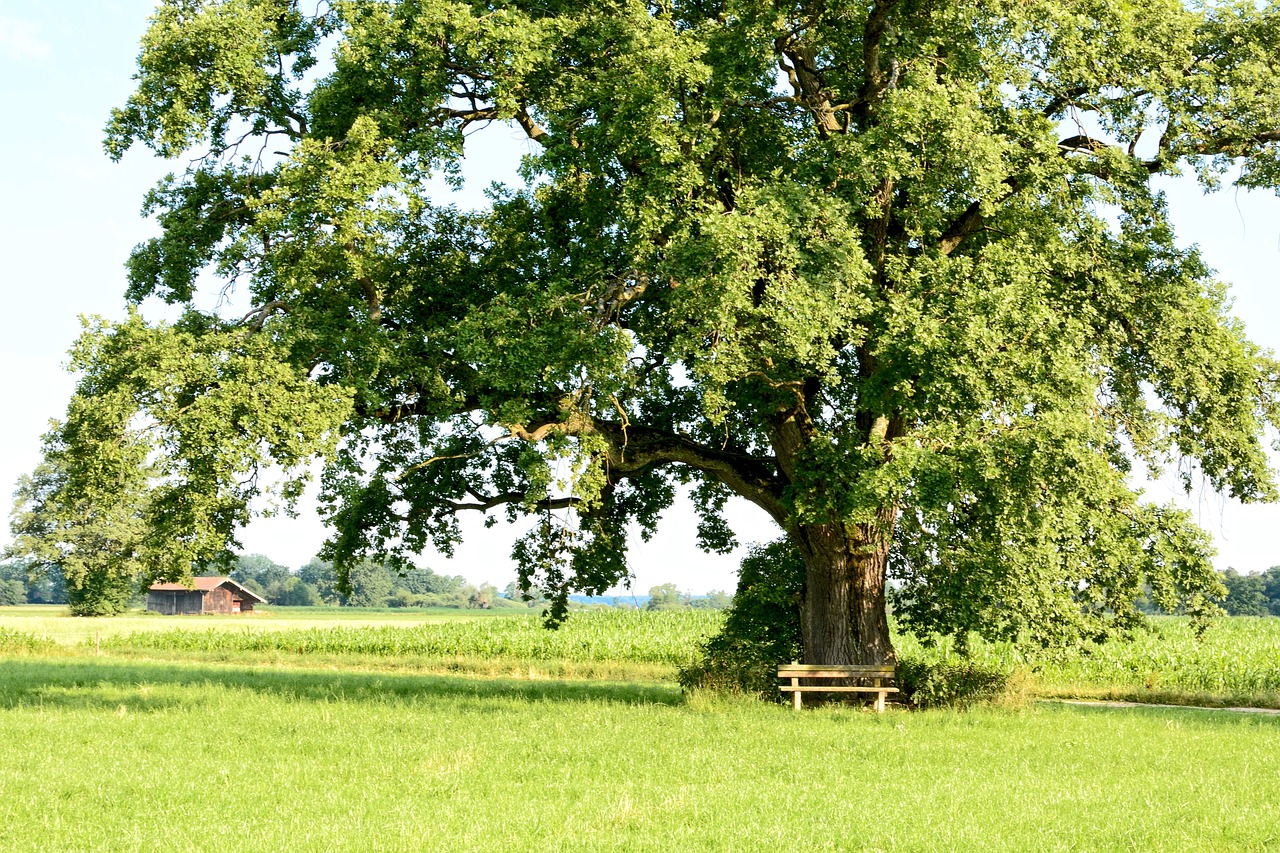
x=880 y=703
x=795 y=694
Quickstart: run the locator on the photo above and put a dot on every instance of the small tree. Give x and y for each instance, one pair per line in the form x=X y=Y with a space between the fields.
x=1251 y=595
x=714 y=600
x=319 y=575
x=82 y=519
x=482 y=597
x=371 y=584
x=262 y=575
x=761 y=628
x=529 y=596
x=665 y=597
x=1271 y=585
x=12 y=592
x=295 y=592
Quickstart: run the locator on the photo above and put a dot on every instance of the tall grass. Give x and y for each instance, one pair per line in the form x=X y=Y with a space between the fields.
x=1238 y=656
x=594 y=636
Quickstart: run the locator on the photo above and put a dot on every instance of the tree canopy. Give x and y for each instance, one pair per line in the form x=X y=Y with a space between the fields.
x=1252 y=595
x=895 y=271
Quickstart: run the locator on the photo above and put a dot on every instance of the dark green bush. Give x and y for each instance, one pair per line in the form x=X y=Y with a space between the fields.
x=761 y=627
x=949 y=683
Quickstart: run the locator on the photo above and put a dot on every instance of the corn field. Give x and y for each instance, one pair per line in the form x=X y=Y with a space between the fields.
x=593 y=636
x=17 y=642
x=1237 y=655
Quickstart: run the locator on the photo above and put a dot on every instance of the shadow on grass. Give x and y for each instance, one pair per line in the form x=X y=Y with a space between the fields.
x=108 y=684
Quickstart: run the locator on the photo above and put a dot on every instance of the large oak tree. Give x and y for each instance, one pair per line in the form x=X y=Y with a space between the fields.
x=893 y=270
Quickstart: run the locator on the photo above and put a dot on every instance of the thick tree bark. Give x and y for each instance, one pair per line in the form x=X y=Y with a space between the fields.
x=843 y=619
x=843 y=616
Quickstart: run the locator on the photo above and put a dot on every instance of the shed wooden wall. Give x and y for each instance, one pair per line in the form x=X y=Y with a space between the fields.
x=173 y=602
x=218 y=600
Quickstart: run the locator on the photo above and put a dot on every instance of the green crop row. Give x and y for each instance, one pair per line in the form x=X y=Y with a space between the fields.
x=18 y=642
x=1238 y=655
x=623 y=636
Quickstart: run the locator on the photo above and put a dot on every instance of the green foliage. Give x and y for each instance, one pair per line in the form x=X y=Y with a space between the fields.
x=846 y=264
x=101 y=593
x=370 y=585
x=665 y=597
x=141 y=482
x=260 y=575
x=528 y=596
x=12 y=592
x=294 y=592
x=319 y=575
x=715 y=600
x=761 y=627
x=31 y=582
x=1252 y=595
x=949 y=683
x=1073 y=576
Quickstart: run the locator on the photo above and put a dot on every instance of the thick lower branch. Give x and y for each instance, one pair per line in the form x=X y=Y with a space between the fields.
x=636 y=449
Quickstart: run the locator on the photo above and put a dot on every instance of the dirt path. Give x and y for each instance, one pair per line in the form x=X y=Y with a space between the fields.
x=1114 y=703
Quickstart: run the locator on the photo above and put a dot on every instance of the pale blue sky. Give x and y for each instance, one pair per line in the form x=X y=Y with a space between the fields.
x=70 y=216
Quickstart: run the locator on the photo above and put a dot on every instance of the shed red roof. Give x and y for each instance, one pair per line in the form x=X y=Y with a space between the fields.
x=206 y=585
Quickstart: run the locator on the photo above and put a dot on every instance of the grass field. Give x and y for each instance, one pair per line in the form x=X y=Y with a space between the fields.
x=392 y=730
x=100 y=753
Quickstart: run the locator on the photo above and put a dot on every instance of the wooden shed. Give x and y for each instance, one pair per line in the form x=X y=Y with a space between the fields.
x=209 y=595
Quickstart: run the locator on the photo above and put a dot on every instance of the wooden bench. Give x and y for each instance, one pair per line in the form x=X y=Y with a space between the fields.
x=877 y=675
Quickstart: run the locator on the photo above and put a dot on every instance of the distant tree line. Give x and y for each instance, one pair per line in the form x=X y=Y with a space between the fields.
x=22 y=582
x=376 y=584
x=667 y=597
x=315 y=584
x=373 y=584
x=1252 y=595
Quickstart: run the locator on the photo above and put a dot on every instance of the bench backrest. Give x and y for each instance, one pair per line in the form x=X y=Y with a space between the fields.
x=811 y=670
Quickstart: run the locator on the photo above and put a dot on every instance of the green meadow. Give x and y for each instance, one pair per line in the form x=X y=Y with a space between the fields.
x=215 y=734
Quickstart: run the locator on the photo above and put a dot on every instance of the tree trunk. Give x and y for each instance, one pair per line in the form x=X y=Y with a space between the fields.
x=842 y=616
